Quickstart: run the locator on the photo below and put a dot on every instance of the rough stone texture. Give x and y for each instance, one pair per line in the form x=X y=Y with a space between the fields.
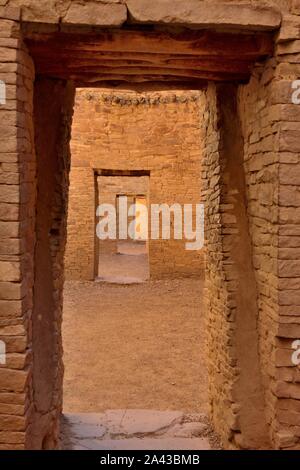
x=17 y=191
x=204 y=14
x=271 y=158
x=156 y=133
x=270 y=124
x=136 y=430
x=230 y=283
x=98 y=14
x=52 y=126
x=233 y=14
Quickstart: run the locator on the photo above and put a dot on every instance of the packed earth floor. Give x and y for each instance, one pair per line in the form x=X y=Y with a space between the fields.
x=135 y=375
x=134 y=346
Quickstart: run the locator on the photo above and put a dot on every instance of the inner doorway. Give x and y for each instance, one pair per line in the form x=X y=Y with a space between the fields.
x=141 y=343
x=124 y=259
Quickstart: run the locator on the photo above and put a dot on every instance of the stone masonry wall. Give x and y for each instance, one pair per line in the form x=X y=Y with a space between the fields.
x=236 y=398
x=270 y=125
x=52 y=120
x=156 y=133
x=270 y=129
x=17 y=236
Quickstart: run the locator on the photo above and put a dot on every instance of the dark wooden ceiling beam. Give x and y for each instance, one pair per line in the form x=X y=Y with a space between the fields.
x=154 y=55
x=93 y=78
x=209 y=64
x=204 y=43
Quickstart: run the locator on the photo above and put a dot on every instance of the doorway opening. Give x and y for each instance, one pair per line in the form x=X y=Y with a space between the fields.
x=124 y=259
x=58 y=59
x=141 y=343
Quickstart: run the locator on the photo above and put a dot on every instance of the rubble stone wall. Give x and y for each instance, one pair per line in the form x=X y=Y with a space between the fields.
x=269 y=127
x=158 y=133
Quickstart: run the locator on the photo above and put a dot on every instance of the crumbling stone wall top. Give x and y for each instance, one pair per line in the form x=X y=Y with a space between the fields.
x=131 y=98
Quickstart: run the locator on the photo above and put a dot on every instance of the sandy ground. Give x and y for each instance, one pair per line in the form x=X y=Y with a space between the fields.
x=130 y=265
x=134 y=347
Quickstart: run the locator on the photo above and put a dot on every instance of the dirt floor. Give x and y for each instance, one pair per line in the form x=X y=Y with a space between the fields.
x=134 y=347
x=130 y=265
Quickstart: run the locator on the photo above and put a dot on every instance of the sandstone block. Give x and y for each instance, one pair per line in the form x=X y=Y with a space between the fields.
x=290 y=29
x=289 y=141
x=16 y=361
x=283 y=358
x=10 y=271
x=10 y=308
x=9 y=409
x=12 y=437
x=285 y=439
x=10 y=246
x=95 y=14
x=9 y=211
x=13 y=381
x=9 y=229
x=42 y=11
x=204 y=14
x=9 y=29
x=287 y=390
x=282 y=92
x=289 y=417
x=10 y=13
x=290 y=47
x=12 y=399
x=9 y=193
x=291 y=331
x=10 y=291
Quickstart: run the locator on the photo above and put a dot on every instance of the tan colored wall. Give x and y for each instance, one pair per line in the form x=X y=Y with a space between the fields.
x=277 y=281
x=270 y=130
x=159 y=133
x=109 y=188
x=271 y=124
x=17 y=239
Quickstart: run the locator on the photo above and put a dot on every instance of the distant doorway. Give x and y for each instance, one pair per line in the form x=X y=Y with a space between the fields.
x=125 y=261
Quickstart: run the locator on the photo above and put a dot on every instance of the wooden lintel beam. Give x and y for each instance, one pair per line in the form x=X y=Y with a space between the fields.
x=141 y=77
x=188 y=73
x=43 y=65
x=206 y=43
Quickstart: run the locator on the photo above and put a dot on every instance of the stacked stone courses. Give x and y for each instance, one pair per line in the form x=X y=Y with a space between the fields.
x=248 y=131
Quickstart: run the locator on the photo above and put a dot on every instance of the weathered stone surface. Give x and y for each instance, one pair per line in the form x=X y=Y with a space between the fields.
x=12 y=380
x=290 y=29
x=10 y=308
x=134 y=429
x=268 y=144
x=188 y=430
x=204 y=14
x=41 y=12
x=12 y=423
x=11 y=437
x=171 y=443
x=10 y=409
x=10 y=13
x=9 y=271
x=163 y=117
x=95 y=14
x=10 y=291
